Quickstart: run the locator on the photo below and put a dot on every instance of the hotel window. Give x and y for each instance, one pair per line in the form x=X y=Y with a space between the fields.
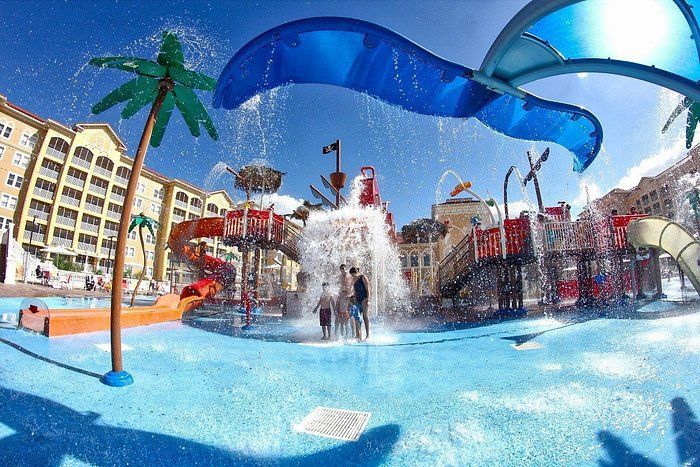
x=150 y=255
x=63 y=233
x=6 y=128
x=28 y=139
x=222 y=211
x=656 y=208
x=664 y=190
x=5 y=223
x=8 y=201
x=21 y=159
x=2 y=151
x=182 y=197
x=158 y=193
x=58 y=146
x=414 y=260
x=132 y=235
x=149 y=272
x=426 y=260
x=138 y=202
x=156 y=208
x=211 y=207
x=639 y=205
x=123 y=172
x=654 y=195
x=141 y=187
x=130 y=252
x=149 y=239
x=404 y=261
x=647 y=210
x=645 y=199
x=196 y=203
x=14 y=180
x=104 y=163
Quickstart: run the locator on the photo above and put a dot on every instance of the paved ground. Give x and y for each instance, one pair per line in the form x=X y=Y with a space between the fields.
x=31 y=290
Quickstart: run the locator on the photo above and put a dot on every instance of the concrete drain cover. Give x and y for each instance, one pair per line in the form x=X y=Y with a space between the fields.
x=531 y=345
x=335 y=423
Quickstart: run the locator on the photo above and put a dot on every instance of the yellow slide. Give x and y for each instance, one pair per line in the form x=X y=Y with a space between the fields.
x=671 y=237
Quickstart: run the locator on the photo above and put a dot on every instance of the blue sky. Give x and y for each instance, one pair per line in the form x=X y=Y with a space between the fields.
x=46 y=46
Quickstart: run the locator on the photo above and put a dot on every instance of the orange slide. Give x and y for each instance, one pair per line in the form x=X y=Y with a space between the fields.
x=169 y=307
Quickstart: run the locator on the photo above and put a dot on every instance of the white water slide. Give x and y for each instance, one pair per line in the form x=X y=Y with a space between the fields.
x=674 y=239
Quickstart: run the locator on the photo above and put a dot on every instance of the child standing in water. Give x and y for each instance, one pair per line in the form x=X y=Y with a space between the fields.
x=326 y=303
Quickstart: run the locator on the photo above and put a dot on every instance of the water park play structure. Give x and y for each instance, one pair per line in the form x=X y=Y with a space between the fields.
x=246 y=228
x=550 y=239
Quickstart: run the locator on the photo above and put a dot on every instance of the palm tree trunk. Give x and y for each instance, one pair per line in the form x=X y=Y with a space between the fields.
x=143 y=269
x=118 y=276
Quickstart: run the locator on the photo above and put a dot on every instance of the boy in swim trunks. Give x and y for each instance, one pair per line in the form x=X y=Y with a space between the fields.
x=361 y=297
x=325 y=303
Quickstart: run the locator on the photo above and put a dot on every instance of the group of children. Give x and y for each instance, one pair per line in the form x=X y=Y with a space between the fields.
x=351 y=305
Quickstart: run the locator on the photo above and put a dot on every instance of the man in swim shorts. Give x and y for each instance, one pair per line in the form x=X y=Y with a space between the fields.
x=326 y=302
x=361 y=296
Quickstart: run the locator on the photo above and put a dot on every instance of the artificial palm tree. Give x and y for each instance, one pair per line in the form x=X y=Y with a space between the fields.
x=691 y=120
x=142 y=221
x=165 y=84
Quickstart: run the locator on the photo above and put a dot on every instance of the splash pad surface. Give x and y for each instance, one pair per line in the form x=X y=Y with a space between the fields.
x=461 y=396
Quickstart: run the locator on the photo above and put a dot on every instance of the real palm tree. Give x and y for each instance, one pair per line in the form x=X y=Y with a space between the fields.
x=165 y=84
x=142 y=221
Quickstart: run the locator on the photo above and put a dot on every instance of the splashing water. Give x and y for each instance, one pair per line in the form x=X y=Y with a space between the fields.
x=356 y=236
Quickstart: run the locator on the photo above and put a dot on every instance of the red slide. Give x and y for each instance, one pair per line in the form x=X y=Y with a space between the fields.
x=219 y=272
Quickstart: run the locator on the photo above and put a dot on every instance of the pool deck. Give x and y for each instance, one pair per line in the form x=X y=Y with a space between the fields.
x=34 y=290
x=597 y=390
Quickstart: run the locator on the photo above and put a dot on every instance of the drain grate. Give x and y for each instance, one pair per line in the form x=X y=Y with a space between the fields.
x=530 y=345
x=335 y=423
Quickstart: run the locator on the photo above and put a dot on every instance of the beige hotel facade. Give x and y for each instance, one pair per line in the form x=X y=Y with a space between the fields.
x=65 y=186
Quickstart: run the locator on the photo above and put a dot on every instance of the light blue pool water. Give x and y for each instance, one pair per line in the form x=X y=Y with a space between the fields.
x=608 y=390
x=12 y=305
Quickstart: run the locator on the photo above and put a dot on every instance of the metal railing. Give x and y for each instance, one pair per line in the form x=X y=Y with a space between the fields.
x=80 y=162
x=103 y=171
x=75 y=181
x=93 y=208
x=65 y=221
x=89 y=247
x=116 y=197
x=97 y=189
x=44 y=193
x=70 y=200
x=89 y=227
x=113 y=214
x=121 y=180
x=43 y=215
x=180 y=204
x=37 y=237
x=45 y=171
x=56 y=154
x=60 y=241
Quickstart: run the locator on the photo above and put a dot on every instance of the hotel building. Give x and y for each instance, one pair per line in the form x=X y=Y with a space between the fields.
x=65 y=186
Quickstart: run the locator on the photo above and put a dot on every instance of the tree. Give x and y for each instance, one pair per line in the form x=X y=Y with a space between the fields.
x=142 y=221
x=165 y=84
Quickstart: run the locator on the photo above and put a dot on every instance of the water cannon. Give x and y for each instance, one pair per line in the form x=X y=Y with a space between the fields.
x=460 y=188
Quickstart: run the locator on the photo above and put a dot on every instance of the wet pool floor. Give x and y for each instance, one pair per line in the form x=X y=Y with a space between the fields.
x=608 y=390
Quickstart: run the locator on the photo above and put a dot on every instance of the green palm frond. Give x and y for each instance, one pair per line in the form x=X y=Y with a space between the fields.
x=166 y=110
x=142 y=220
x=193 y=111
x=691 y=121
x=139 y=66
x=170 y=54
x=142 y=90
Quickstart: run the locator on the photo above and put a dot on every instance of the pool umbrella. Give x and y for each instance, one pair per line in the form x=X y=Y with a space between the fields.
x=59 y=250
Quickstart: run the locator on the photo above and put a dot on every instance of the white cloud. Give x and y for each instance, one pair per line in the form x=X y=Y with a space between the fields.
x=653 y=164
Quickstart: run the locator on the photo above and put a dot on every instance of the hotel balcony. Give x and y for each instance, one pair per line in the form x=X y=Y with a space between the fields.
x=56 y=154
x=180 y=204
x=38 y=214
x=70 y=201
x=46 y=194
x=89 y=227
x=103 y=171
x=75 y=181
x=89 y=247
x=45 y=171
x=121 y=180
x=98 y=190
x=80 y=162
x=66 y=242
x=37 y=237
x=93 y=208
x=118 y=198
x=109 y=233
x=65 y=221
x=114 y=215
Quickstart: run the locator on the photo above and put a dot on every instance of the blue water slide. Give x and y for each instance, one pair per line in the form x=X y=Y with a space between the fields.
x=368 y=58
